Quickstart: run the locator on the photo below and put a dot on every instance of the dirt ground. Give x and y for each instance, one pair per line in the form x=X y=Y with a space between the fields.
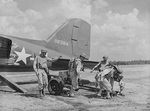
x=137 y=98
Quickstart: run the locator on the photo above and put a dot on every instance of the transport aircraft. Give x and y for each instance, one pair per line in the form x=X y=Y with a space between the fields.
x=71 y=39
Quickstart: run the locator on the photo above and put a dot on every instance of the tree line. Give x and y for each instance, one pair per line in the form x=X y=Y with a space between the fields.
x=132 y=62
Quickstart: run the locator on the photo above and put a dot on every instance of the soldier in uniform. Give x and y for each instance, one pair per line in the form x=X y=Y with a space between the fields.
x=41 y=70
x=104 y=67
x=75 y=68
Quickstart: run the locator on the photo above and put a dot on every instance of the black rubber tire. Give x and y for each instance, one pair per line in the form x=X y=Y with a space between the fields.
x=54 y=87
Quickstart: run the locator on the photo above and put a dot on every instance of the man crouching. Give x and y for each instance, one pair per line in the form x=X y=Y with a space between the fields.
x=104 y=75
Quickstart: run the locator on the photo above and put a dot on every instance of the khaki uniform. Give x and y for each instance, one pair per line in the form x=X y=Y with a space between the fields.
x=42 y=79
x=41 y=69
x=79 y=67
x=75 y=67
x=104 y=82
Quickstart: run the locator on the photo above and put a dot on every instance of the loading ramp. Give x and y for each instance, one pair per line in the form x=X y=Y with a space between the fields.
x=11 y=84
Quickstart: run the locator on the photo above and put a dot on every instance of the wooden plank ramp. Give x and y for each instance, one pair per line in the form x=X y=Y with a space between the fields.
x=11 y=84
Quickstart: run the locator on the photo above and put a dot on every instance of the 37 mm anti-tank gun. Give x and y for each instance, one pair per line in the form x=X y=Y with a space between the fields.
x=63 y=80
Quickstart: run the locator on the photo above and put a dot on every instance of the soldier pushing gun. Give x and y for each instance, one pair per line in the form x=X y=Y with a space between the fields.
x=75 y=69
x=108 y=73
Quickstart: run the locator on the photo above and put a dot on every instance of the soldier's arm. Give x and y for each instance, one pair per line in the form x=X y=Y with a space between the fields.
x=96 y=66
x=52 y=59
x=35 y=64
x=79 y=66
x=109 y=64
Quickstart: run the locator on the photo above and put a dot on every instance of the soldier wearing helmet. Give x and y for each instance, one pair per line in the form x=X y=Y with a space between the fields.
x=41 y=70
x=104 y=68
x=102 y=64
x=75 y=69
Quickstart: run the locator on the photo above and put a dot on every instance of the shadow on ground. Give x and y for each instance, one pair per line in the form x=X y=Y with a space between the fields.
x=30 y=95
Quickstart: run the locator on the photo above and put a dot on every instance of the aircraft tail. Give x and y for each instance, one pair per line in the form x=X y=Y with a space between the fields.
x=72 y=38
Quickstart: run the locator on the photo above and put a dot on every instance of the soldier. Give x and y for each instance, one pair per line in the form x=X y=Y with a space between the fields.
x=121 y=87
x=41 y=70
x=104 y=67
x=80 y=67
x=75 y=68
x=118 y=77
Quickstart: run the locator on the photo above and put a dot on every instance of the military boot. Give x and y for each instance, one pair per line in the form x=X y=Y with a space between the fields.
x=43 y=92
x=71 y=93
x=99 y=93
x=108 y=95
x=40 y=93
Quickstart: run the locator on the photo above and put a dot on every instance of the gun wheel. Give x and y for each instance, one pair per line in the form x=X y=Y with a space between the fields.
x=55 y=88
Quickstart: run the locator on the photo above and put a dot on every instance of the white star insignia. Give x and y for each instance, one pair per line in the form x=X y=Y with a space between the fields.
x=22 y=55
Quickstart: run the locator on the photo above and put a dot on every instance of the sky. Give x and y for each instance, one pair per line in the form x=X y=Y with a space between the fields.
x=120 y=29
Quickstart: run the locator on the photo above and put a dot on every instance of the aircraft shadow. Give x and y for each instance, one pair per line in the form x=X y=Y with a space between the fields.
x=30 y=95
x=6 y=91
x=92 y=96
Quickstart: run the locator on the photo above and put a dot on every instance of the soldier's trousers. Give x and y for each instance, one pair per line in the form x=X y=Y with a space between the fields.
x=74 y=79
x=42 y=79
x=105 y=84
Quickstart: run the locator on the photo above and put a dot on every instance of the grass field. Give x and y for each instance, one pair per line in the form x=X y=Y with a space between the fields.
x=137 y=96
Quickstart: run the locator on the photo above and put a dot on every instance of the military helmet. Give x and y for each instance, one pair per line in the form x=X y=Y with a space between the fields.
x=83 y=55
x=43 y=51
x=105 y=57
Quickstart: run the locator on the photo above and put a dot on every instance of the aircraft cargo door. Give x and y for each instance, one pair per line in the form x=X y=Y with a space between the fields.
x=74 y=39
x=5 y=47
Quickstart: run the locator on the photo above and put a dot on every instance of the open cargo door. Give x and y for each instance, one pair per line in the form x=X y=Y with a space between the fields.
x=5 y=47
